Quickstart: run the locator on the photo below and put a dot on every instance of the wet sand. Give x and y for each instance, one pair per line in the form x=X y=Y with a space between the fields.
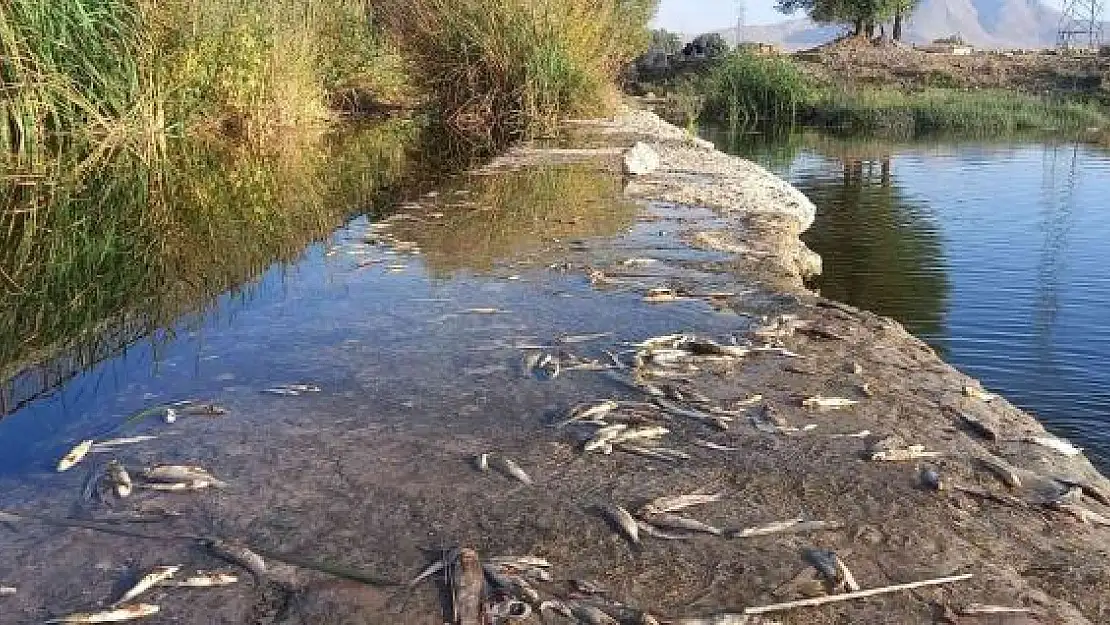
x=376 y=472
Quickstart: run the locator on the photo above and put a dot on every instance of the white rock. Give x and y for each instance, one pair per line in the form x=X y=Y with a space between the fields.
x=640 y=159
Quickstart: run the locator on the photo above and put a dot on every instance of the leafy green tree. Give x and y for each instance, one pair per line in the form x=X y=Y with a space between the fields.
x=863 y=15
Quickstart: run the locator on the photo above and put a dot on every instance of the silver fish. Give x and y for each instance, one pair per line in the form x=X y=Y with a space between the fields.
x=674 y=503
x=115 y=615
x=624 y=522
x=111 y=444
x=177 y=487
x=586 y=413
x=510 y=468
x=75 y=455
x=179 y=473
x=674 y=521
x=714 y=446
x=828 y=403
x=150 y=580
x=120 y=479
x=584 y=338
x=535 y=561
x=205 y=579
x=718 y=421
x=604 y=437
x=7 y=590
x=655 y=453
x=592 y=615
x=726 y=619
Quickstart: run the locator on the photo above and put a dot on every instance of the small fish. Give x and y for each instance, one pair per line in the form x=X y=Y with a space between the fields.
x=913 y=452
x=791 y=525
x=592 y=615
x=238 y=555
x=674 y=503
x=1055 y=444
x=660 y=296
x=529 y=561
x=655 y=453
x=467 y=584
x=510 y=468
x=7 y=590
x=828 y=403
x=824 y=561
x=120 y=479
x=623 y=521
x=111 y=444
x=604 y=437
x=178 y=473
x=115 y=615
x=587 y=413
x=726 y=619
x=860 y=434
x=978 y=608
x=292 y=389
x=846 y=576
x=1002 y=470
x=975 y=392
x=171 y=416
x=177 y=487
x=650 y=432
x=482 y=462
x=639 y=262
x=75 y=455
x=482 y=311
x=674 y=521
x=205 y=579
x=204 y=410
x=556 y=606
x=718 y=421
x=588 y=587
x=584 y=338
x=150 y=580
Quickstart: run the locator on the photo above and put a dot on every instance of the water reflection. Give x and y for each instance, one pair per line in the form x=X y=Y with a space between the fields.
x=98 y=256
x=485 y=218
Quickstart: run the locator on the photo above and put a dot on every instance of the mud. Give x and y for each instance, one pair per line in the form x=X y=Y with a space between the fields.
x=375 y=474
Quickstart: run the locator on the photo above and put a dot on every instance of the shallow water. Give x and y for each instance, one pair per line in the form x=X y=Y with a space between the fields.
x=996 y=253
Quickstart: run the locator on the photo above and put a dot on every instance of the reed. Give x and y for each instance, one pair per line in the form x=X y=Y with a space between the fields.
x=502 y=69
x=746 y=89
x=949 y=111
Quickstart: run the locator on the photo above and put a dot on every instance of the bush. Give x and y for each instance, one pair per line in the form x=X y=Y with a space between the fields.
x=747 y=88
x=509 y=68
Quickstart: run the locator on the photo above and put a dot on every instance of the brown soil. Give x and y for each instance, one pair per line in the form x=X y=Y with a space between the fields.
x=360 y=483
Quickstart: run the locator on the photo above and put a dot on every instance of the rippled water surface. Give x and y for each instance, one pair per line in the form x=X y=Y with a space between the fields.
x=997 y=253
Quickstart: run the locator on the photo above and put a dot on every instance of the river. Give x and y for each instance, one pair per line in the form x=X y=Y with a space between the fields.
x=997 y=253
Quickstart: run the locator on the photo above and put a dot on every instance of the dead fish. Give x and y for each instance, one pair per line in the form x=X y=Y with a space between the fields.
x=180 y=473
x=913 y=452
x=846 y=576
x=204 y=579
x=530 y=561
x=791 y=525
x=482 y=311
x=726 y=619
x=75 y=455
x=111 y=444
x=674 y=521
x=586 y=413
x=510 y=468
x=482 y=462
x=120 y=479
x=639 y=262
x=1002 y=470
x=1083 y=514
x=238 y=555
x=657 y=453
x=1055 y=444
x=660 y=296
x=177 y=487
x=714 y=446
x=509 y=610
x=718 y=421
x=204 y=410
x=604 y=437
x=591 y=615
x=828 y=403
x=584 y=338
x=975 y=392
x=7 y=591
x=556 y=606
x=643 y=433
x=292 y=389
x=150 y=580
x=467 y=584
x=115 y=615
x=170 y=416
x=587 y=587
x=624 y=521
x=979 y=608
x=674 y=503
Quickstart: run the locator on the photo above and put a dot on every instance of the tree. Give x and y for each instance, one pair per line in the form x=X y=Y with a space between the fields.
x=863 y=15
x=710 y=45
x=663 y=40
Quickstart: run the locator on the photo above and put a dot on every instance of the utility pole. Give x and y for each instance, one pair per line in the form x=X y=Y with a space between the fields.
x=1081 y=24
x=741 y=13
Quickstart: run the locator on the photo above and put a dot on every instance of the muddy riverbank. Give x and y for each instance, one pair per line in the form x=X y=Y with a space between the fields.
x=376 y=471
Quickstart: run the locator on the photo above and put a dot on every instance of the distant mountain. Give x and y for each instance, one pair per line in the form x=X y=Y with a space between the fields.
x=984 y=23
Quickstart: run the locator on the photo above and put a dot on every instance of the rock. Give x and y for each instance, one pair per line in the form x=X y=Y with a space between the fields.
x=640 y=159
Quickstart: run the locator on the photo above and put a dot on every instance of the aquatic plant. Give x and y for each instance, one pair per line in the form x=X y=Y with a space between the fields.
x=507 y=68
x=748 y=88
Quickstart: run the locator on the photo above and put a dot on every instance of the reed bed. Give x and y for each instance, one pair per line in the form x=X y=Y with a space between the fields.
x=746 y=89
x=502 y=69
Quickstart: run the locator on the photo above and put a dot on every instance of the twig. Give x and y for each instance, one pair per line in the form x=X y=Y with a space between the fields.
x=815 y=601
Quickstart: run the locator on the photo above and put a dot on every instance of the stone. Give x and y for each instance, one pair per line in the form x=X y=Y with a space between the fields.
x=640 y=159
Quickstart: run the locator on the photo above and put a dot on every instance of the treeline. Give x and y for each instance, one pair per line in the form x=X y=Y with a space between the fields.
x=863 y=15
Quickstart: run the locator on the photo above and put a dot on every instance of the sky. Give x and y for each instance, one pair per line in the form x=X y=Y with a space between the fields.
x=697 y=16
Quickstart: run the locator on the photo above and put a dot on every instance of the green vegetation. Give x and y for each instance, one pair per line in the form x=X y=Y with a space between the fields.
x=745 y=89
x=748 y=89
x=949 y=111
x=510 y=68
x=863 y=15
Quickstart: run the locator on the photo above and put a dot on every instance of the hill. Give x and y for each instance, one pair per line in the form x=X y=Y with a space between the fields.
x=984 y=23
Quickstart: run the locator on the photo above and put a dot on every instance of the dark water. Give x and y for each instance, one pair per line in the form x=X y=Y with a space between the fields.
x=996 y=253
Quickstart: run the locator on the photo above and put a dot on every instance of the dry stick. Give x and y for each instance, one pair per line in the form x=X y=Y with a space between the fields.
x=779 y=607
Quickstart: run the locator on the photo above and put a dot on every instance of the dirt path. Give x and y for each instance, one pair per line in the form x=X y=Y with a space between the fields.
x=357 y=481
